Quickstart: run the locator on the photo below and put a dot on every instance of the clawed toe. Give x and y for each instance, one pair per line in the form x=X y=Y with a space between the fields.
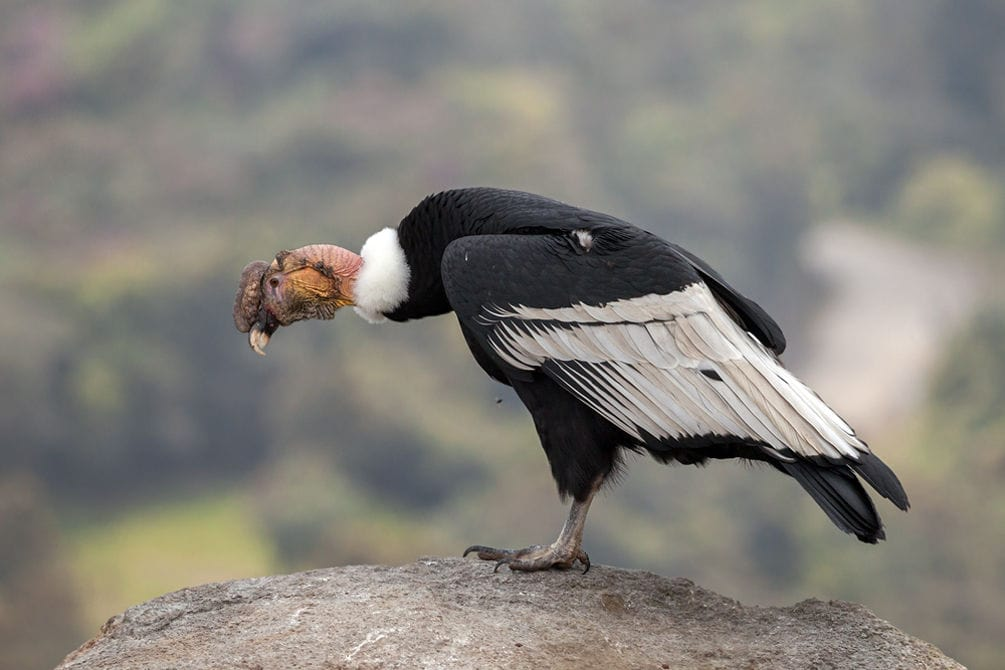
x=533 y=558
x=563 y=553
x=489 y=553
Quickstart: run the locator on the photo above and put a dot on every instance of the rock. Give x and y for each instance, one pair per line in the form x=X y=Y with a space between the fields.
x=447 y=613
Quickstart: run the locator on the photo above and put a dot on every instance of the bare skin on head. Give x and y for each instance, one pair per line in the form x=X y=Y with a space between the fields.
x=311 y=282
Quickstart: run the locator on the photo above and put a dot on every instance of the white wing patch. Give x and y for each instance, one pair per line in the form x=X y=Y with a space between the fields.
x=674 y=366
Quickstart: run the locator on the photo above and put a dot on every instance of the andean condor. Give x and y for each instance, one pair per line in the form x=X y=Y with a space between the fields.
x=613 y=338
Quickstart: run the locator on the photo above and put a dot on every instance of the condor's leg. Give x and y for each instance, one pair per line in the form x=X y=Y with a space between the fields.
x=562 y=553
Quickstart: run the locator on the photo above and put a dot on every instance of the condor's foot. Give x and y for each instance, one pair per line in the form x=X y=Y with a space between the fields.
x=563 y=553
x=533 y=558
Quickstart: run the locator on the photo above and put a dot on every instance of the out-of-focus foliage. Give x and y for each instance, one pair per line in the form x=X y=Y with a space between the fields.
x=960 y=500
x=968 y=392
x=38 y=608
x=149 y=148
x=950 y=199
x=145 y=549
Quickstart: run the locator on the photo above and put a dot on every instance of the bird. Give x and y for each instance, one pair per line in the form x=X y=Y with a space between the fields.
x=614 y=339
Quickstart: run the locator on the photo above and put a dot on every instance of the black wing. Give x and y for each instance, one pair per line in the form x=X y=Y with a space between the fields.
x=629 y=326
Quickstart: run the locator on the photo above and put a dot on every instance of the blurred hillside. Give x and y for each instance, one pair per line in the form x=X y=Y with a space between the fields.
x=149 y=148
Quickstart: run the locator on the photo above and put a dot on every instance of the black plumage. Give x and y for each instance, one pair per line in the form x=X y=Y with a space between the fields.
x=616 y=339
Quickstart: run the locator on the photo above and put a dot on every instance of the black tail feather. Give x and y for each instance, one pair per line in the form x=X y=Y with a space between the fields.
x=840 y=495
x=881 y=477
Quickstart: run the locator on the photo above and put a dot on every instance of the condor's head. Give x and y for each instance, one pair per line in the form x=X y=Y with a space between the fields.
x=311 y=282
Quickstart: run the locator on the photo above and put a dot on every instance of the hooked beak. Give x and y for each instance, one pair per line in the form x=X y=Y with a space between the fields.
x=261 y=332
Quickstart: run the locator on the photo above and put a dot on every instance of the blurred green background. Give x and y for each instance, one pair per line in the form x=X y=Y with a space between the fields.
x=842 y=161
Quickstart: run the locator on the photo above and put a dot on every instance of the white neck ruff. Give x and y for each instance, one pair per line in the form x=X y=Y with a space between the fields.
x=382 y=283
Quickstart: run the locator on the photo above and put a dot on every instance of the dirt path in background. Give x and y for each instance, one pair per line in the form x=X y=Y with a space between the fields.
x=892 y=306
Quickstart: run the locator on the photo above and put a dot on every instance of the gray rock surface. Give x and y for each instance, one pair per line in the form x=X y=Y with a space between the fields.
x=455 y=613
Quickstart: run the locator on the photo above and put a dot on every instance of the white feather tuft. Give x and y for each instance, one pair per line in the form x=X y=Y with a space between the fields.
x=585 y=239
x=382 y=284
